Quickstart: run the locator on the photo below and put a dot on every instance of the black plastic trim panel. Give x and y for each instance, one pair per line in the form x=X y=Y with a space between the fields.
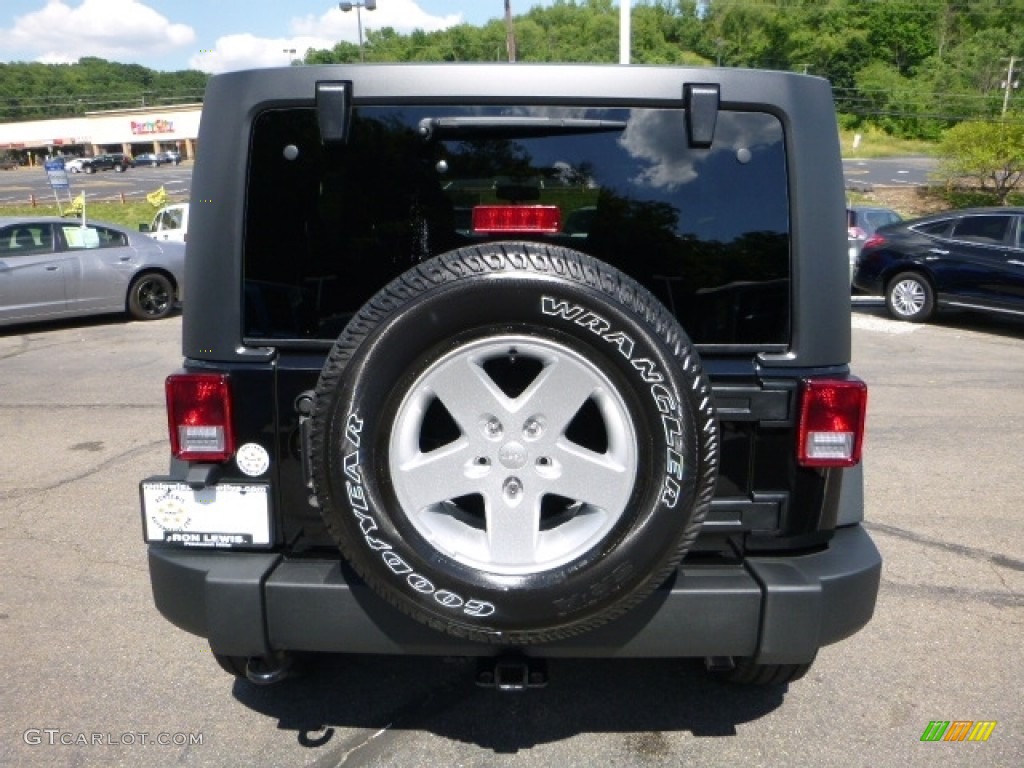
x=776 y=610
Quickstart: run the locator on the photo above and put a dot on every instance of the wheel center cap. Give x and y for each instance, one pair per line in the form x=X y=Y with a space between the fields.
x=512 y=455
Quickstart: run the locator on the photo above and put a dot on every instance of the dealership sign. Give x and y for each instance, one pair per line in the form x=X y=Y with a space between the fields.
x=56 y=175
x=142 y=127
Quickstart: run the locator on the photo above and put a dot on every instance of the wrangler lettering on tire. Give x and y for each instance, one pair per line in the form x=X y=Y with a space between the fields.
x=526 y=431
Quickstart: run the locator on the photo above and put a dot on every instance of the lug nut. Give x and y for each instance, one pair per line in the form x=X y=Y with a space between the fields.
x=492 y=428
x=512 y=488
x=532 y=429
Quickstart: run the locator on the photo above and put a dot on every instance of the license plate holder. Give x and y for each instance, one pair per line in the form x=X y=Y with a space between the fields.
x=222 y=516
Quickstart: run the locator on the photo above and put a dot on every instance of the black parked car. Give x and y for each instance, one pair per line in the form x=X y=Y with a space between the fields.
x=970 y=259
x=111 y=161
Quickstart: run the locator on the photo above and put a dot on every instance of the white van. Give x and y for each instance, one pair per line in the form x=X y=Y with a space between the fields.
x=169 y=223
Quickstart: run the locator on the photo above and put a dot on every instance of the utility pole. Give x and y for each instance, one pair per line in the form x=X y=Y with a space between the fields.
x=510 y=33
x=625 y=31
x=1009 y=84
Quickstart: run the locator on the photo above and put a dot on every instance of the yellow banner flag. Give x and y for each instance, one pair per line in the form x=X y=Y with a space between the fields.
x=77 y=204
x=157 y=198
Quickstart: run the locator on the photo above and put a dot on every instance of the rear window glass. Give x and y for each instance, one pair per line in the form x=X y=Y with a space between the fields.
x=706 y=230
x=25 y=239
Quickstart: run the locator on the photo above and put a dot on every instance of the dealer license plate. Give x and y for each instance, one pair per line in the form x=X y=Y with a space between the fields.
x=218 y=516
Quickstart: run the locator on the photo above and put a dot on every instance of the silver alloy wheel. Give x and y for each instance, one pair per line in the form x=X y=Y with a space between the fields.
x=542 y=496
x=908 y=297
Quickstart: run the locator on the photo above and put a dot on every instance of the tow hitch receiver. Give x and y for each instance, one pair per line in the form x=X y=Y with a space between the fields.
x=511 y=673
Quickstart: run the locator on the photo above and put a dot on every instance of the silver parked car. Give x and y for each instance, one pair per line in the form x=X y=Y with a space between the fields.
x=52 y=268
x=74 y=164
x=861 y=223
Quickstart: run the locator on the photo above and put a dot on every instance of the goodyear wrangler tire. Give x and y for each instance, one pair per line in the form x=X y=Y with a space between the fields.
x=513 y=443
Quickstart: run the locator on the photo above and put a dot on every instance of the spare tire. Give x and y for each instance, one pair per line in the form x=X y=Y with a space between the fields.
x=513 y=443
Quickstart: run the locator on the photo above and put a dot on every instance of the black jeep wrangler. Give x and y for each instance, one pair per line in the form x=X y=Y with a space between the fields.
x=515 y=362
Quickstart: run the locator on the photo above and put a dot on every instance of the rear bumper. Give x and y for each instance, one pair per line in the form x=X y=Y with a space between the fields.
x=774 y=609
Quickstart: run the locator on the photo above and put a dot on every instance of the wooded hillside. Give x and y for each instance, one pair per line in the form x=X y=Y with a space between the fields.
x=910 y=67
x=33 y=91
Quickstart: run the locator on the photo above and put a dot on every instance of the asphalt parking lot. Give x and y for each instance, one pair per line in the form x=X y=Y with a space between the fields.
x=93 y=676
x=18 y=187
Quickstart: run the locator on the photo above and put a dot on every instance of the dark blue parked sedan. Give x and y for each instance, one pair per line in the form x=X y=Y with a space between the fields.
x=970 y=259
x=149 y=158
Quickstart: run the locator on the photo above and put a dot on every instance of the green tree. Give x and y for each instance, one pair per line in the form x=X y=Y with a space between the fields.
x=990 y=154
x=33 y=90
x=968 y=79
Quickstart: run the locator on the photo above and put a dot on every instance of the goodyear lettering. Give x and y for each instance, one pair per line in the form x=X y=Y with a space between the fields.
x=353 y=429
x=366 y=523
x=478 y=608
x=397 y=565
x=351 y=463
x=448 y=599
x=356 y=494
x=420 y=583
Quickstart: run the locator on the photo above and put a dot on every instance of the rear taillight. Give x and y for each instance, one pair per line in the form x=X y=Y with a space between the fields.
x=873 y=242
x=831 y=428
x=199 y=416
x=517 y=218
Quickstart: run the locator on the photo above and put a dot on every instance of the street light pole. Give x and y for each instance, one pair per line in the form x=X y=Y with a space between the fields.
x=370 y=5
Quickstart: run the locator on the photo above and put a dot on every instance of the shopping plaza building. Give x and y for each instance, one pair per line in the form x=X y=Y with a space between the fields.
x=132 y=131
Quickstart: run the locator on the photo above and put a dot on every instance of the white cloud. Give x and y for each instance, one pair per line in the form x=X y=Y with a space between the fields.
x=403 y=15
x=122 y=30
x=247 y=51
x=243 y=51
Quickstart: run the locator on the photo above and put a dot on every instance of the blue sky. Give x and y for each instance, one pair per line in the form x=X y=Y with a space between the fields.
x=212 y=35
